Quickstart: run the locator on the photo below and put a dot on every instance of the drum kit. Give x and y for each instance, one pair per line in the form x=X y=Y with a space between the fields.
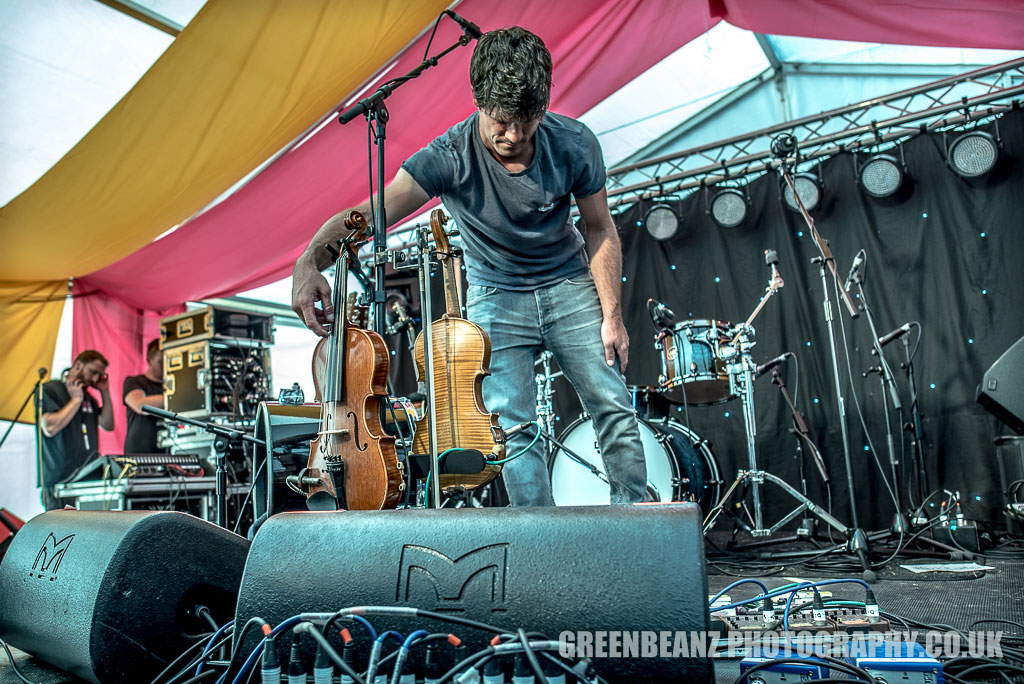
x=704 y=362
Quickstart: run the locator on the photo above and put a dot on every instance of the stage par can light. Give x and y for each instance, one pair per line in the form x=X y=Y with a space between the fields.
x=728 y=208
x=973 y=154
x=807 y=189
x=881 y=176
x=661 y=222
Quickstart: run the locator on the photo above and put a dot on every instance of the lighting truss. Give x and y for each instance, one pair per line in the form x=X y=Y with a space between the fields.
x=935 y=106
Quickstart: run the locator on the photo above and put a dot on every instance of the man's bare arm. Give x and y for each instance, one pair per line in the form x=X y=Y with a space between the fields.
x=137 y=398
x=55 y=421
x=402 y=197
x=606 y=265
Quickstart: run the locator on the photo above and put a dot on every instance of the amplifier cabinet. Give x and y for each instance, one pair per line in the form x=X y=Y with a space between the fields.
x=217 y=376
x=212 y=322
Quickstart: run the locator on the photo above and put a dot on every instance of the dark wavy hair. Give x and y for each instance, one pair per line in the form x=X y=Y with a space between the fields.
x=90 y=355
x=152 y=349
x=511 y=74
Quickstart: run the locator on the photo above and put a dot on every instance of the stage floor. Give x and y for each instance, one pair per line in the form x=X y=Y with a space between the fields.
x=955 y=599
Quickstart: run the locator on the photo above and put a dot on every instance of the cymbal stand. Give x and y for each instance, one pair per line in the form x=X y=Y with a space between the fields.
x=741 y=380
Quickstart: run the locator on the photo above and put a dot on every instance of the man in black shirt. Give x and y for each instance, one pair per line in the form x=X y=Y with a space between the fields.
x=144 y=390
x=68 y=418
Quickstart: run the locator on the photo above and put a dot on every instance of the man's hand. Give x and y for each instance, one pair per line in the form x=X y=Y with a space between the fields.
x=616 y=342
x=309 y=287
x=103 y=383
x=75 y=389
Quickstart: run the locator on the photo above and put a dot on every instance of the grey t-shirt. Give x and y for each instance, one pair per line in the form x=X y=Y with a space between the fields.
x=515 y=227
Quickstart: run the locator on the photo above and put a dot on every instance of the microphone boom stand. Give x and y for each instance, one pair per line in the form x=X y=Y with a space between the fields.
x=35 y=388
x=377 y=116
x=224 y=436
x=888 y=381
x=782 y=148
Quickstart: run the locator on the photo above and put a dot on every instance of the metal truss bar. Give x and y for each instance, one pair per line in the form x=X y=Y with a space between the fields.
x=712 y=175
x=948 y=83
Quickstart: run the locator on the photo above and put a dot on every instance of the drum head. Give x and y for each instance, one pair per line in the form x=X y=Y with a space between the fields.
x=574 y=484
x=680 y=466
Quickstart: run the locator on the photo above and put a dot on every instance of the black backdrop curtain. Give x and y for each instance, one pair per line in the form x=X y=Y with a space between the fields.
x=949 y=256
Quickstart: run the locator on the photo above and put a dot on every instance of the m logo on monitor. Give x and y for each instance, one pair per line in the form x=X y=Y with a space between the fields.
x=50 y=556
x=431 y=580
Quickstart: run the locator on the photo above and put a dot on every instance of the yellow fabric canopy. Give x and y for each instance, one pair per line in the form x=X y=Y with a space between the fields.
x=242 y=80
x=31 y=316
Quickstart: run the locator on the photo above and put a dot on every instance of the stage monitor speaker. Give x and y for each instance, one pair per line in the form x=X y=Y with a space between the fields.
x=1002 y=389
x=593 y=571
x=9 y=526
x=110 y=596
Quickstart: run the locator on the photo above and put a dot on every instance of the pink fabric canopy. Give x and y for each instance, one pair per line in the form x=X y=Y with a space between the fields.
x=253 y=237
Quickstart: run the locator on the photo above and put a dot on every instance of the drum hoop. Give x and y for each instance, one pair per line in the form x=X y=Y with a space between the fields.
x=673 y=459
x=704 y=447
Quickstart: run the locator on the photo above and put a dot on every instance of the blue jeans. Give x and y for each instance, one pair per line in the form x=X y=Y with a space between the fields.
x=566 y=319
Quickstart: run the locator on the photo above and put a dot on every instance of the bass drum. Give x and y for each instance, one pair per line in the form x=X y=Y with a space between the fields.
x=680 y=466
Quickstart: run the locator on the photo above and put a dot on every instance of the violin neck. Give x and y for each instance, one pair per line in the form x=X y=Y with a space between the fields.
x=453 y=302
x=336 y=354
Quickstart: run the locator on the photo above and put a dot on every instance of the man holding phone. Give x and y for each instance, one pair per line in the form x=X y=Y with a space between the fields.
x=68 y=416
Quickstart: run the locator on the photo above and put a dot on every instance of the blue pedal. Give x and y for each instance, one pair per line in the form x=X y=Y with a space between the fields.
x=896 y=661
x=782 y=673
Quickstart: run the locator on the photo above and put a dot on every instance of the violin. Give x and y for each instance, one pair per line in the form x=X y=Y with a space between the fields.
x=352 y=463
x=461 y=356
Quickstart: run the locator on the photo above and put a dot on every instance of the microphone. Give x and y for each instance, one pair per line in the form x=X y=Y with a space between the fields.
x=857 y=262
x=661 y=315
x=42 y=373
x=895 y=334
x=764 y=368
x=471 y=29
x=398 y=326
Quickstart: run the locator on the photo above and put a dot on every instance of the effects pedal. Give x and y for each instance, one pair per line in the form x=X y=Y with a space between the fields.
x=781 y=673
x=962 y=534
x=890 y=662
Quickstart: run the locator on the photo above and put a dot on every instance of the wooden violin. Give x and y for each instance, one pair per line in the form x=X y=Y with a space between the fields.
x=352 y=462
x=461 y=355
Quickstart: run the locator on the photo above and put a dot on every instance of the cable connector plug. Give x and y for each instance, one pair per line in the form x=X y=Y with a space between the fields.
x=871 y=606
x=768 y=612
x=270 y=672
x=818 y=609
x=348 y=656
x=296 y=670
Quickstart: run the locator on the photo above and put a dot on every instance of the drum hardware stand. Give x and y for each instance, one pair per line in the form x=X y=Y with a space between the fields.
x=742 y=374
x=803 y=435
x=545 y=400
x=785 y=149
x=888 y=380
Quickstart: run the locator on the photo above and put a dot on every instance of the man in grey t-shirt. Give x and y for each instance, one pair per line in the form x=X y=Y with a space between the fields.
x=507 y=175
